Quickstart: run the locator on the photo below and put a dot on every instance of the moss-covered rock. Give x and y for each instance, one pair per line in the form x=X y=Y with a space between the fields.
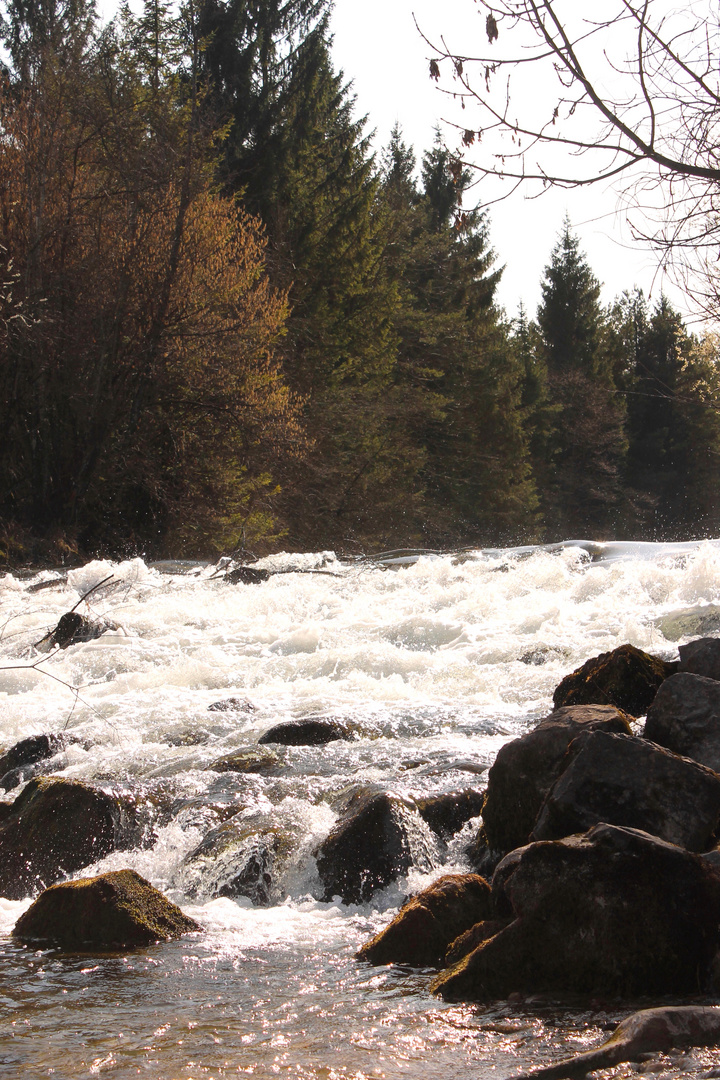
x=248 y=759
x=54 y=828
x=118 y=910
x=424 y=927
x=627 y=678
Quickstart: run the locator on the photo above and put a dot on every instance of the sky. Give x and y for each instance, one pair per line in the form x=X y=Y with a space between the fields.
x=378 y=46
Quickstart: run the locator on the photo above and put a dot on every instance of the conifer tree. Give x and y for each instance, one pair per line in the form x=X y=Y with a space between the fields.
x=586 y=450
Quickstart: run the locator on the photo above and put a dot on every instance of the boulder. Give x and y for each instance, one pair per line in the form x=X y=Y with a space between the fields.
x=469 y=941
x=119 y=910
x=424 y=927
x=446 y=814
x=526 y=768
x=623 y=780
x=244 y=856
x=54 y=828
x=377 y=838
x=16 y=764
x=685 y=718
x=626 y=678
x=232 y=704
x=701 y=657
x=308 y=732
x=72 y=629
x=614 y=912
x=249 y=759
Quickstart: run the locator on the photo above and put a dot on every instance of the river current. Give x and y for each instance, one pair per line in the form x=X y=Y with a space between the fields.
x=434 y=662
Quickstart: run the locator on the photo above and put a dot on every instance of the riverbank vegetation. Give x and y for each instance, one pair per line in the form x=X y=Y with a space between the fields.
x=226 y=324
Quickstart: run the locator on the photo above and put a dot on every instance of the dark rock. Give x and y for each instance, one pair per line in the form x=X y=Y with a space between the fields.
x=701 y=657
x=232 y=704
x=526 y=768
x=446 y=814
x=56 y=827
x=614 y=912
x=16 y=763
x=244 y=856
x=626 y=678
x=685 y=718
x=622 y=780
x=246 y=575
x=469 y=941
x=119 y=910
x=248 y=760
x=378 y=837
x=308 y=732
x=424 y=927
x=72 y=629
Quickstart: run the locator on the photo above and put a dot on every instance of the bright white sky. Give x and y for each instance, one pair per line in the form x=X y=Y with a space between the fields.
x=380 y=50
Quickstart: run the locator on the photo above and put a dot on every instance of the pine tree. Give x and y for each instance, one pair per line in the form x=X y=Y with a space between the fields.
x=586 y=450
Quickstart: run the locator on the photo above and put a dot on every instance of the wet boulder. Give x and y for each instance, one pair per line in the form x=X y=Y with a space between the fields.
x=377 y=838
x=472 y=938
x=247 y=575
x=526 y=768
x=701 y=657
x=627 y=678
x=18 y=763
x=446 y=814
x=427 y=923
x=246 y=855
x=310 y=731
x=72 y=629
x=118 y=910
x=248 y=759
x=54 y=828
x=232 y=704
x=623 y=780
x=685 y=718
x=614 y=912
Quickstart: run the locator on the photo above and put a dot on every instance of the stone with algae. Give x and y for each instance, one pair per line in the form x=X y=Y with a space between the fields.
x=117 y=910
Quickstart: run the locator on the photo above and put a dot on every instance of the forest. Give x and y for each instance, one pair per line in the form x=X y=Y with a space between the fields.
x=227 y=325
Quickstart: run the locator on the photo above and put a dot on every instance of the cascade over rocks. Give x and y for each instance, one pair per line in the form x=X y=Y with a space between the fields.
x=118 y=910
x=615 y=912
x=628 y=781
x=54 y=828
x=17 y=762
x=73 y=629
x=626 y=678
x=428 y=923
x=307 y=732
x=248 y=759
x=377 y=838
x=685 y=718
x=526 y=768
x=701 y=657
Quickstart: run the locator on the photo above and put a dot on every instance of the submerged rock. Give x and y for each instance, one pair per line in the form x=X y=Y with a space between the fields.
x=377 y=838
x=701 y=657
x=650 y=1031
x=246 y=575
x=614 y=912
x=16 y=764
x=685 y=718
x=526 y=768
x=249 y=759
x=72 y=629
x=118 y=910
x=426 y=925
x=626 y=678
x=246 y=855
x=54 y=828
x=627 y=781
x=232 y=704
x=308 y=732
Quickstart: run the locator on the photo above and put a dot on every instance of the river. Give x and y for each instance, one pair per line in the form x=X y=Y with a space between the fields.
x=434 y=662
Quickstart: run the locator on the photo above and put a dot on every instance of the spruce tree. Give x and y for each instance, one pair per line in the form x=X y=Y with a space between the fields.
x=586 y=449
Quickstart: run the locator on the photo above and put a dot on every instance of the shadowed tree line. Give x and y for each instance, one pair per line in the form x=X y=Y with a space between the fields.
x=225 y=323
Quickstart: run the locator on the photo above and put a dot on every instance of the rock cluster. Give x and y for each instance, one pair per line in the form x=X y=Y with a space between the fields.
x=601 y=844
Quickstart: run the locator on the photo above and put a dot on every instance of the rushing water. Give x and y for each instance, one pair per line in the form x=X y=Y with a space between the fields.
x=434 y=662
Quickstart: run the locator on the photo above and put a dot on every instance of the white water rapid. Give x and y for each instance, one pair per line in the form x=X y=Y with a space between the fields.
x=434 y=662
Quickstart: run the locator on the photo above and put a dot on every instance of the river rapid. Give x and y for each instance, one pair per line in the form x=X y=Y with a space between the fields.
x=435 y=662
